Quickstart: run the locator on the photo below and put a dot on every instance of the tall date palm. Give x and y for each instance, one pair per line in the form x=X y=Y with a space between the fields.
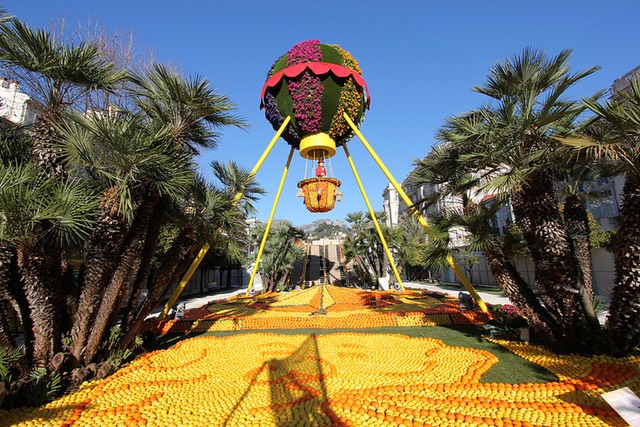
x=509 y=141
x=614 y=137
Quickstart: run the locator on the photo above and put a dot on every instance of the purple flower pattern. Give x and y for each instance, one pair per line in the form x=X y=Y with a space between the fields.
x=306 y=90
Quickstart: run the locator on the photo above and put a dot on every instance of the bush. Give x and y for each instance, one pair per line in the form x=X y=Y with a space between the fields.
x=506 y=322
x=42 y=387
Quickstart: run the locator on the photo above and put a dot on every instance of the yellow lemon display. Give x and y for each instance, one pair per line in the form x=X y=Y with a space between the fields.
x=340 y=308
x=341 y=379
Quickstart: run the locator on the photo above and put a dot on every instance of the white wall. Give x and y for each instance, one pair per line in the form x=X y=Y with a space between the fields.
x=602 y=265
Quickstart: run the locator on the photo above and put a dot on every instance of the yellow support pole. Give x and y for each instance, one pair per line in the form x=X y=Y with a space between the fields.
x=307 y=248
x=268 y=227
x=343 y=262
x=196 y=262
x=465 y=282
x=324 y=261
x=373 y=216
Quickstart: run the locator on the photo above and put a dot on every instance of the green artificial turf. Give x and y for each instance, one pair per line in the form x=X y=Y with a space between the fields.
x=509 y=369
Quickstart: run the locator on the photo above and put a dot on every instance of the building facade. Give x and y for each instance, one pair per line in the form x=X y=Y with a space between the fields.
x=15 y=105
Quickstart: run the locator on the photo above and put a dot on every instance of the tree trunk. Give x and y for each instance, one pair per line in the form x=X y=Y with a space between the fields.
x=104 y=249
x=6 y=336
x=142 y=276
x=521 y=295
x=557 y=274
x=363 y=268
x=45 y=154
x=12 y=291
x=40 y=269
x=577 y=222
x=120 y=277
x=8 y=277
x=175 y=262
x=624 y=310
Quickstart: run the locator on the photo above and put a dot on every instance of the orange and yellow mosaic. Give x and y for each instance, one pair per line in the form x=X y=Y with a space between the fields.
x=339 y=308
x=341 y=379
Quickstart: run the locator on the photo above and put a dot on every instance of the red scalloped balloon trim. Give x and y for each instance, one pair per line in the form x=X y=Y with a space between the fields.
x=318 y=68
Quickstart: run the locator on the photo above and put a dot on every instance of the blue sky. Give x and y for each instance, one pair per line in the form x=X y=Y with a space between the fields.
x=419 y=58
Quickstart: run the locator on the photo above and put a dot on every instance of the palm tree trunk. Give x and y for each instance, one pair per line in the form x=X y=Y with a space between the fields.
x=40 y=269
x=12 y=291
x=361 y=264
x=175 y=263
x=104 y=249
x=143 y=270
x=8 y=277
x=45 y=154
x=6 y=336
x=120 y=277
x=624 y=310
x=521 y=295
x=577 y=222
x=557 y=274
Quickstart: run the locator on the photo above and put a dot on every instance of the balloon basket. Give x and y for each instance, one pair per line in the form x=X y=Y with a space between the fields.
x=320 y=193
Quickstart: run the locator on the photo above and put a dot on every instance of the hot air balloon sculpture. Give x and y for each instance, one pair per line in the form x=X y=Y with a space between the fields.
x=314 y=84
x=315 y=97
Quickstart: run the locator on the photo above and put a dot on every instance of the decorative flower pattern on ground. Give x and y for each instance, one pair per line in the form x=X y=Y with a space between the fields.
x=341 y=308
x=341 y=379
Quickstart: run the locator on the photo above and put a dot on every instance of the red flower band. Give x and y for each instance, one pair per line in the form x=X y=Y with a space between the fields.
x=318 y=68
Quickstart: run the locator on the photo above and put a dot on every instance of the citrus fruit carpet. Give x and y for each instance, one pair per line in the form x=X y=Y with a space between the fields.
x=261 y=378
x=323 y=307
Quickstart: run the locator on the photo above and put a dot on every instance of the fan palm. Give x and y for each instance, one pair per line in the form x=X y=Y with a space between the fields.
x=235 y=181
x=509 y=142
x=614 y=138
x=134 y=165
x=15 y=149
x=365 y=246
x=40 y=215
x=139 y=159
x=280 y=253
x=190 y=107
x=207 y=216
x=56 y=75
x=412 y=243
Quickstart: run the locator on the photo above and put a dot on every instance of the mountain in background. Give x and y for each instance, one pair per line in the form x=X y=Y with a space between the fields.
x=324 y=228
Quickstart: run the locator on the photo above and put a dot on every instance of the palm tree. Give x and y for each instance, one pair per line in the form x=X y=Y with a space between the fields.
x=234 y=180
x=613 y=137
x=356 y=245
x=190 y=107
x=207 y=215
x=15 y=149
x=365 y=246
x=412 y=243
x=139 y=159
x=134 y=166
x=280 y=253
x=509 y=144
x=40 y=215
x=57 y=75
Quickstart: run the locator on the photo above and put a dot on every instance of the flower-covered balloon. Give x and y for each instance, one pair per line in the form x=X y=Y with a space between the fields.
x=315 y=84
